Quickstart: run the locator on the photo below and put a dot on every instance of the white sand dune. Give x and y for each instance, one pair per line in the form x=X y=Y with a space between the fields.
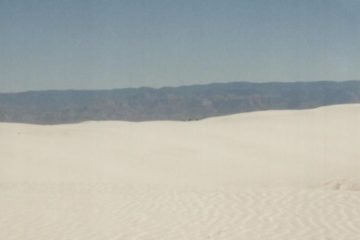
x=264 y=175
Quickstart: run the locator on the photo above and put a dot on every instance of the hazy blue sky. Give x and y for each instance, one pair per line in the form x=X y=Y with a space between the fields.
x=82 y=44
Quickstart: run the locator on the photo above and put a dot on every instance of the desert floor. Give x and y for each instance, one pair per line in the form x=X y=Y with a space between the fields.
x=264 y=175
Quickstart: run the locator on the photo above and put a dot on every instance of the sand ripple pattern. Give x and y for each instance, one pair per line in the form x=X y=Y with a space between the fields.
x=115 y=212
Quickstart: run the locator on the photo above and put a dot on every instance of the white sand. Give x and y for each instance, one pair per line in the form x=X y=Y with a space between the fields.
x=265 y=175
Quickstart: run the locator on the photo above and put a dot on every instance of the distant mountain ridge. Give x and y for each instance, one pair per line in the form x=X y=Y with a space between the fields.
x=171 y=103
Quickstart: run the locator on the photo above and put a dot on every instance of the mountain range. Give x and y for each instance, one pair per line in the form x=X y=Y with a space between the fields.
x=171 y=103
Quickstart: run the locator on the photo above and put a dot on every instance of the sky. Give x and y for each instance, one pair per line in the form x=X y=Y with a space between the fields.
x=105 y=44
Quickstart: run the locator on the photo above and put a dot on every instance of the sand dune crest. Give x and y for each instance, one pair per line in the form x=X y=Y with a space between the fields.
x=263 y=175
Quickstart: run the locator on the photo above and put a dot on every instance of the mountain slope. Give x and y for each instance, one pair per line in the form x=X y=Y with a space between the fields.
x=177 y=103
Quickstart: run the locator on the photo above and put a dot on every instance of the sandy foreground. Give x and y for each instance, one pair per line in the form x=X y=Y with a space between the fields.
x=264 y=175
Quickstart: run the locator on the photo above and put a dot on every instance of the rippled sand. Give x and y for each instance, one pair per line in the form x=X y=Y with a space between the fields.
x=265 y=175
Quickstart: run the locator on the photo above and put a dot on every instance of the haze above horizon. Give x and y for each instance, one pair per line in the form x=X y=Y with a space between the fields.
x=119 y=44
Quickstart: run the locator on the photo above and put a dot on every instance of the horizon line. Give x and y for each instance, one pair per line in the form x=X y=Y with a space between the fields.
x=177 y=86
